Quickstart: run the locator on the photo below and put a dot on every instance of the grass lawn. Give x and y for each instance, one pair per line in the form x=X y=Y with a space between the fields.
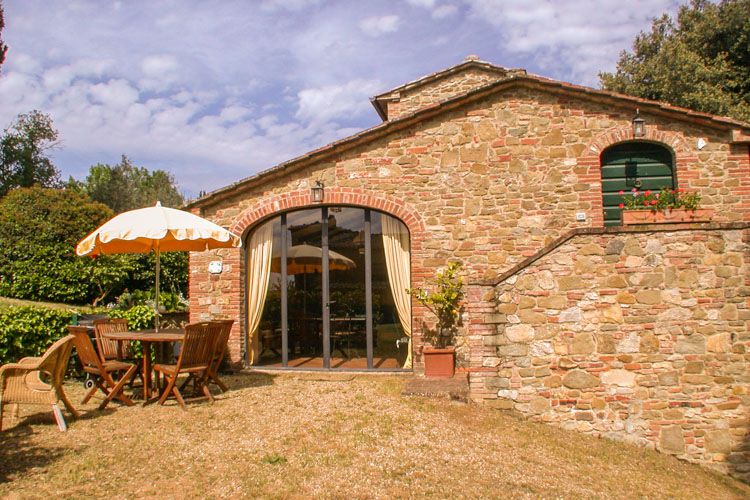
x=338 y=435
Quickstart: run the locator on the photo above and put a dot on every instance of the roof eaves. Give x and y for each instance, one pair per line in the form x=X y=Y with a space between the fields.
x=439 y=107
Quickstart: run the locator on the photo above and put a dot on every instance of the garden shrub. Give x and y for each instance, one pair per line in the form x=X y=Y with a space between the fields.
x=39 y=230
x=139 y=317
x=29 y=331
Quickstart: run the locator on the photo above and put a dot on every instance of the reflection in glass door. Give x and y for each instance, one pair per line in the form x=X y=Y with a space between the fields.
x=347 y=297
x=304 y=277
x=330 y=303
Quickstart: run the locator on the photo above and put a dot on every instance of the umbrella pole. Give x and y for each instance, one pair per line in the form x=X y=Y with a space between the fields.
x=158 y=272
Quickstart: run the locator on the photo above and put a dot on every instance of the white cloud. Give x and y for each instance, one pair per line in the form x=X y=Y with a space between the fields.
x=376 y=26
x=290 y=5
x=116 y=94
x=436 y=11
x=444 y=11
x=427 y=4
x=215 y=91
x=585 y=35
x=336 y=101
x=158 y=65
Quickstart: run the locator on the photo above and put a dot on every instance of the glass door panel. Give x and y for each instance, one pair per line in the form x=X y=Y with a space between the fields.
x=268 y=347
x=304 y=258
x=347 y=298
x=390 y=345
x=330 y=300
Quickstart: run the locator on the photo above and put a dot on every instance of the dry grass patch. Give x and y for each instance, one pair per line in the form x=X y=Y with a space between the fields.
x=290 y=435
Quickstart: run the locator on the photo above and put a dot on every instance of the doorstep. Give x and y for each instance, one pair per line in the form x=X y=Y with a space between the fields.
x=456 y=388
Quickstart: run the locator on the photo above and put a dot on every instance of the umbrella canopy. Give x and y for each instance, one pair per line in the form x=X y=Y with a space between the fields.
x=156 y=228
x=303 y=259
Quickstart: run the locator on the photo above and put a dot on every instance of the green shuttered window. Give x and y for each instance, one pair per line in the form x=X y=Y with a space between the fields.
x=631 y=165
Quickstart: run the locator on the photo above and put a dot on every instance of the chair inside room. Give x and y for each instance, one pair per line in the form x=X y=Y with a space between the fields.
x=196 y=354
x=101 y=370
x=24 y=382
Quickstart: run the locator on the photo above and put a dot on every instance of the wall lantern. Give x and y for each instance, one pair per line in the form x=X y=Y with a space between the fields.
x=316 y=192
x=639 y=125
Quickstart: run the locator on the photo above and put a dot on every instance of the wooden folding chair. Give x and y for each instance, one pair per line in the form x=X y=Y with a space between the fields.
x=113 y=349
x=196 y=354
x=101 y=370
x=21 y=383
x=220 y=348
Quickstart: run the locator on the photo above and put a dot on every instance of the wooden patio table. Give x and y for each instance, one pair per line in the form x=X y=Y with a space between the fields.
x=148 y=337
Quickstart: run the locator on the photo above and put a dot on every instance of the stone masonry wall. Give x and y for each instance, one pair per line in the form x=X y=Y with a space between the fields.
x=487 y=184
x=639 y=336
x=410 y=100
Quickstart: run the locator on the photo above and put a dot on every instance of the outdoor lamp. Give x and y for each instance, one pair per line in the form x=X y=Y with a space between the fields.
x=638 y=124
x=316 y=192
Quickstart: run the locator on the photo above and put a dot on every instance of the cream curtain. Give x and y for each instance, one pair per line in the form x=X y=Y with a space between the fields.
x=397 y=260
x=258 y=277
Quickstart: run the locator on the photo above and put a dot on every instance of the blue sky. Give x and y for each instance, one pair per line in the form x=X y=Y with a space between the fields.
x=215 y=91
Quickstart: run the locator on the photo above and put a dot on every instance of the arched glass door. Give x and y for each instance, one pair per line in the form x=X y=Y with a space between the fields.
x=329 y=302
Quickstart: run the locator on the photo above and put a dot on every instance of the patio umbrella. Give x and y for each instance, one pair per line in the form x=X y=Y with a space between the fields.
x=304 y=258
x=156 y=228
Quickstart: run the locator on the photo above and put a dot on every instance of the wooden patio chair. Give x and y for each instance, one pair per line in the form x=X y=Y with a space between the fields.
x=21 y=383
x=196 y=354
x=220 y=330
x=220 y=349
x=113 y=349
x=101 y=370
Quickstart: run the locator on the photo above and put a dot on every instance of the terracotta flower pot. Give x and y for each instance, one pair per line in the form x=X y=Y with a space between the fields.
x=630 y=217
x=439 y=363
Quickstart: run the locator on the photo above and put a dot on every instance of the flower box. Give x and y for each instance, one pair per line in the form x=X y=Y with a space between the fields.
x=674 y=215
x=439 y=363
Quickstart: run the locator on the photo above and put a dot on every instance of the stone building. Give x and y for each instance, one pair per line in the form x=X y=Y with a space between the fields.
x=637 y=332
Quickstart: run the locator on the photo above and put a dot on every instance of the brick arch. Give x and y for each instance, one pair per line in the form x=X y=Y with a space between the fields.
x=334 y=195
x=624 y=133
x=590 y=158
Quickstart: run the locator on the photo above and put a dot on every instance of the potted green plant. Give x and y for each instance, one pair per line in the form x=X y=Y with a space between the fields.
x=443 y=299
x=663 y=206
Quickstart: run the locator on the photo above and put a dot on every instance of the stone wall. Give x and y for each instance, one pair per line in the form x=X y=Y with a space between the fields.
x=487 y=183
x=410 y=100
x=638 y=335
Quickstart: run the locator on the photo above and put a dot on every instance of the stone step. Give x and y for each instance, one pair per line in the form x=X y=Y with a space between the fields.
x=456 y=388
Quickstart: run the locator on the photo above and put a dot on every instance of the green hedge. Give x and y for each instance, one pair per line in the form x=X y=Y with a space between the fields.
x=139 y=317
x=29 y=331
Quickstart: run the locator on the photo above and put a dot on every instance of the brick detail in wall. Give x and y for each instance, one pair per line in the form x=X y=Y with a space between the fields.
x=222 y=295
x=624 y=133
x=715 y=190
x=334 y=195
x=642 y=337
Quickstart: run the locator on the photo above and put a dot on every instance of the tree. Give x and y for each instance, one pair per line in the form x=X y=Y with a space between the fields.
x=700 y=62
x=23 y=149
x=125 y=186
x=39 y=230
x=3 y=47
